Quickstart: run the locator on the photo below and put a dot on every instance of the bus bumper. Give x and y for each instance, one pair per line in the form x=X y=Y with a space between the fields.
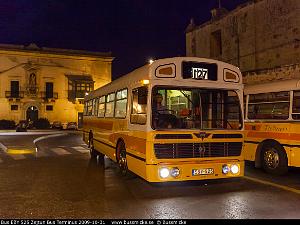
x=167 y=172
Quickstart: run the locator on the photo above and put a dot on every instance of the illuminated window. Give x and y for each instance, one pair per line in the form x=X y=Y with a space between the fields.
x=90 y=107
x=110 y=105
x=101 y=106
x=121 y=104
x=95 y=107
x=139 y=105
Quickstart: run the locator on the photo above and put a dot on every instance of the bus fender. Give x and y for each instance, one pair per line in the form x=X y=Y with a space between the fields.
x=258 y=155
x=118 y=141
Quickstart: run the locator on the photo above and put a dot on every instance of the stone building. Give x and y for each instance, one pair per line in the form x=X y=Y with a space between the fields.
x=49 y=83
x=261 y=37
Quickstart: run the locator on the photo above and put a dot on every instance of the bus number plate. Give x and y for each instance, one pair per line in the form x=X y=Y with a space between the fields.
x=196 y=172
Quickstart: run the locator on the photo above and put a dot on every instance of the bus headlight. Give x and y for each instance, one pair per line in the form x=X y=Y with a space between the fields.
x=234 y=169
x=175 y=172
x=164 y=172
x=225 y=169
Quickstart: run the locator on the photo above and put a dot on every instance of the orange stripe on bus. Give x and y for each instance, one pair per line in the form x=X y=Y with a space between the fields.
x=252 y=127
x=273 y=135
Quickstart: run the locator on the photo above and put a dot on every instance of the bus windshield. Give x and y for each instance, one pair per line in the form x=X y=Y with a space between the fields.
x=195 y=108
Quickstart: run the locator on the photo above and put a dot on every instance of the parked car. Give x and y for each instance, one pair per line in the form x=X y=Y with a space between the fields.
x=22 y=126
x=72 y=126
x=56 y=125
x=64 y=126
x=30 y=125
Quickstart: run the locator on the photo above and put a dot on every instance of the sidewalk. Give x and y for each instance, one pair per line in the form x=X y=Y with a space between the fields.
x=31 y=132
x=25 y=142
x=37 y=130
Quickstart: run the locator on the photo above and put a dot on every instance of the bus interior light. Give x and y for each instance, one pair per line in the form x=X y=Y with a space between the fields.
x=175 y=172
x=164 y=172
x=225 y=169
x=234 y=169
x=145 y=82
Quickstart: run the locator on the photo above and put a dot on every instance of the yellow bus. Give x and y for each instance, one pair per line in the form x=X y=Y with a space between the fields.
x=272 y=125
x=174 y=119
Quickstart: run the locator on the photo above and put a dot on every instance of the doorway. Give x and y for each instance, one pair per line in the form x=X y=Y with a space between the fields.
x=80 y=120
x=32 y=114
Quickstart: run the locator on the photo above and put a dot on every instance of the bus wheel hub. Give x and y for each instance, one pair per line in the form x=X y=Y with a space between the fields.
x=271 y=158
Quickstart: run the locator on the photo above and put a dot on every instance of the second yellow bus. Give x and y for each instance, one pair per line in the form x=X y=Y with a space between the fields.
x=272 y=125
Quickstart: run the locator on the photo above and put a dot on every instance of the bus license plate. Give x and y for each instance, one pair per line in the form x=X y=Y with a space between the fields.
x=196 y=172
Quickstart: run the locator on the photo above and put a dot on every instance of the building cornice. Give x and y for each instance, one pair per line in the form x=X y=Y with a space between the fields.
x=33 y=50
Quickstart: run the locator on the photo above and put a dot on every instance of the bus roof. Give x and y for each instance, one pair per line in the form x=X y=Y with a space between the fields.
x=273 y=86
x=148 y=72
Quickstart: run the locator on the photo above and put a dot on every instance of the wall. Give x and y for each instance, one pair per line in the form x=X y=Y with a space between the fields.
x=258 y=35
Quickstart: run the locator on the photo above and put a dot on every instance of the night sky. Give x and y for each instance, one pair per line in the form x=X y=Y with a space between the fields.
x=133 y=30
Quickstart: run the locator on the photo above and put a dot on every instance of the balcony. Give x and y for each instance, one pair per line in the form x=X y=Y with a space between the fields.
x=14 y=94
x=72 y=95
x=49 y=95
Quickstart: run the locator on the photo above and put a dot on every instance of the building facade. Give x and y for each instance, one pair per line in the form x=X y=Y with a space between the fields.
x=261 y=37
x=49 y=83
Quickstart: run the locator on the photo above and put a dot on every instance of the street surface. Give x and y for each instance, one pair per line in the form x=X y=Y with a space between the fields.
x=59 y=180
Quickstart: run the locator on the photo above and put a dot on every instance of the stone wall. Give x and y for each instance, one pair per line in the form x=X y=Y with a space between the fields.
x=258 y=35
x=279 y=73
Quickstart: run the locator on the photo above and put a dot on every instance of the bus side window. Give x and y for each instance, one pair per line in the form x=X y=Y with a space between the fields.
x=296 y=105
x=139 y=105
x=121 y=104
x=90 y=107
x=101 y=106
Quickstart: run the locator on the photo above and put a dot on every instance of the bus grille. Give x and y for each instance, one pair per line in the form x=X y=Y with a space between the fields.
x=197 y=150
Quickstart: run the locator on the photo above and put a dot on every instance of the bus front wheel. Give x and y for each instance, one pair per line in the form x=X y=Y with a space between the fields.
x=121 y=158
x=274 y=159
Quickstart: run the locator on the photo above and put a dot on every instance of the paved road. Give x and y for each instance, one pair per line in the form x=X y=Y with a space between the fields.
x=60 y=181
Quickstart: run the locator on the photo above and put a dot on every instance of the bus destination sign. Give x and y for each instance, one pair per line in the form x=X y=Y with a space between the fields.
x=199 y=71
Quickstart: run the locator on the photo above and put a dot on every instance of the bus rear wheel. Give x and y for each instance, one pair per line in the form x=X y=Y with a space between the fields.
x=274 y=159
x=121 y=158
